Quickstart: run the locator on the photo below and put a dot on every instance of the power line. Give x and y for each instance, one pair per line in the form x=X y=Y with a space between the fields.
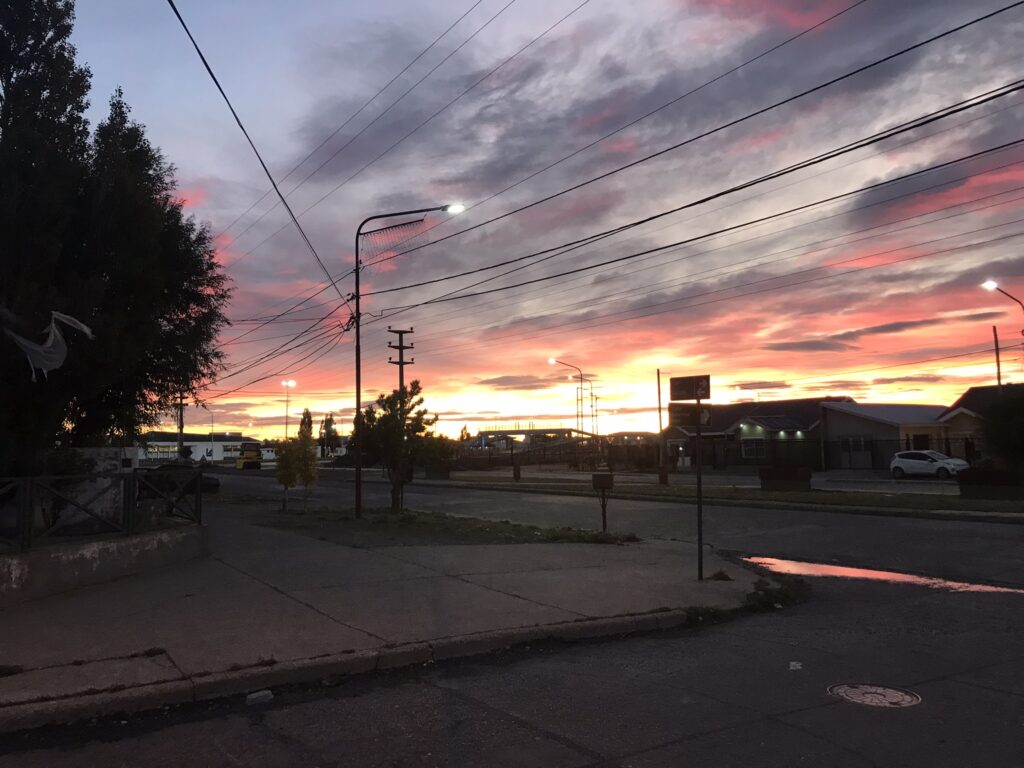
x=369 y=125
x=657 y=249
x=931 y=117
x=778 y=188
x=722 y=127
x=259 y=157
x=587 y=325
x=354 y=115
x=757 y=260
x=653 y=112
x=417 y=128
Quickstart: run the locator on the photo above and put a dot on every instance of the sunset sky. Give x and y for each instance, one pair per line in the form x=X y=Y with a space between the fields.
x=875 y=294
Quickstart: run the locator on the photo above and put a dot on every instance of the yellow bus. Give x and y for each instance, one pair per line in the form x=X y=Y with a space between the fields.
x=250 y=456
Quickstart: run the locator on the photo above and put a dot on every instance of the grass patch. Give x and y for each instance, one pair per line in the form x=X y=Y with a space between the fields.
x=381 y=526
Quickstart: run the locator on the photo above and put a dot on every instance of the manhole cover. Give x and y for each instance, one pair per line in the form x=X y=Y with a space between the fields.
x=875 y=695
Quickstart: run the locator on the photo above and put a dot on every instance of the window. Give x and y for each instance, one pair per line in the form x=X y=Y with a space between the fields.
x=754 y=449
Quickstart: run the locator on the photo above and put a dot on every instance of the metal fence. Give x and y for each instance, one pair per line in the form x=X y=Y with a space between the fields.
x=40 y=510
x=868 y=453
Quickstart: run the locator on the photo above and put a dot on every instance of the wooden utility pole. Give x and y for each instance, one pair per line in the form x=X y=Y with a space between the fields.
x=401 y=362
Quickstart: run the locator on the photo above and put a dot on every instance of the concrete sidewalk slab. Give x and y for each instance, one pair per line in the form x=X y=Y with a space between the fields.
x=273 y=607
x=503 y=558
x=428 y=609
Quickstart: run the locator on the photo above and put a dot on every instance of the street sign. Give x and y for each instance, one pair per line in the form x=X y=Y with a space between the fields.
x=686 y=415
x=689 y=388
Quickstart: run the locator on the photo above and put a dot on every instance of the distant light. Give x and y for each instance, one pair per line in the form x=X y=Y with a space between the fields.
x=551 y=361
x=290 y=383
x=454 y=208
x=990 y=285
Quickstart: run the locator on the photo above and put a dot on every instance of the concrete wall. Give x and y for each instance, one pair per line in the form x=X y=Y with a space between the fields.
x=57 y=568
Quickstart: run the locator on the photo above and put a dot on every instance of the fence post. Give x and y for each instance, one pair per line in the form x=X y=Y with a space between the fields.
x=26 y=513
x=199 y=496
x=129 y=503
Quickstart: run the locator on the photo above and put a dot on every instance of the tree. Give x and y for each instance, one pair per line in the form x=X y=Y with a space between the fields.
x=305 y=464
x=329 y=439
x=287 y=467
x=92 y=229
x=464 y=434
x=385 y=439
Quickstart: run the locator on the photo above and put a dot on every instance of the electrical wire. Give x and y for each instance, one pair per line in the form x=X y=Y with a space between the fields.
x=723 y=126
x=353 y=116
x=259 y=157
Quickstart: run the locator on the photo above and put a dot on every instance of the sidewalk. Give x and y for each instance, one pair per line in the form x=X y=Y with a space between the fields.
x=271 y=607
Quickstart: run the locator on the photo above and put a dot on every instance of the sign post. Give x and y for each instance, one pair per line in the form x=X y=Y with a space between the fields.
x=603 y=483
x=693 y=388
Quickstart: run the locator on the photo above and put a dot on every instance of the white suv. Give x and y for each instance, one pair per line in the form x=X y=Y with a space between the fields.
x=925 y=463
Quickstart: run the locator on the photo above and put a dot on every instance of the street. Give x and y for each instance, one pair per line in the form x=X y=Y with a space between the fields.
x=973 y=552
x=751 y=693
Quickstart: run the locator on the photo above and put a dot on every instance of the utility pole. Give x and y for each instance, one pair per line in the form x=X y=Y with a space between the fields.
x=181 y=426
x=401 y=362
x=999 y=367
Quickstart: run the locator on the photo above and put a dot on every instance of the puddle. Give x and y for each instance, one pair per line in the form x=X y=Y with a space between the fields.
x=797 y=568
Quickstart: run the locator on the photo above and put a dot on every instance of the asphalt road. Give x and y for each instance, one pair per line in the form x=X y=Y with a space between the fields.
x=974 y=552
x=751 y=693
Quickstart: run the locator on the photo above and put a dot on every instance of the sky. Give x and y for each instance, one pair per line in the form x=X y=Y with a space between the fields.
x=857 y=274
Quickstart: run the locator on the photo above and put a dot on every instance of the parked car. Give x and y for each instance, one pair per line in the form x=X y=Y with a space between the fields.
x=925 y=463
x=161 y=479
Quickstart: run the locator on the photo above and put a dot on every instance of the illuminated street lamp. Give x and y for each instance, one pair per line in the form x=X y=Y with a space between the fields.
x=992 y=285
x=579 y=399
x=289 y=385
x=452 y=208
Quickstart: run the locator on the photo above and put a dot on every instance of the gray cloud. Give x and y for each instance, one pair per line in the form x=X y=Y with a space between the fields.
x=810 y=345
x=752 y=385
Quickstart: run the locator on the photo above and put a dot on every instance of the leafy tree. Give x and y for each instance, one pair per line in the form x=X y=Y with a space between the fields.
x=392 y=431
x=288 y=460
x=305 y=460
x=329 y=439
x=92 y=229
x=464 y=434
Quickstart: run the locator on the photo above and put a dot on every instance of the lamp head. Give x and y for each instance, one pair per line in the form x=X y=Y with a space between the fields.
x=290 y=383
x=551 y=361
x=454 y=208
x=990 y=285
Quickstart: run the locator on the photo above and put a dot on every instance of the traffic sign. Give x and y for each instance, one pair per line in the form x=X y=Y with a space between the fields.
x=689 y=387
x=686 y=415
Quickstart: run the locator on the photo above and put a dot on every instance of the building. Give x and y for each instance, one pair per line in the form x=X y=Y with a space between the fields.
x=866 y=435
x=773 y=433
x=213 y=446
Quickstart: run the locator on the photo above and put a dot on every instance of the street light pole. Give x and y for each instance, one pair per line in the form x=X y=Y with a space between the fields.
x=289 y=385
x=357 y=268
x=579 y=402
x=992 y=285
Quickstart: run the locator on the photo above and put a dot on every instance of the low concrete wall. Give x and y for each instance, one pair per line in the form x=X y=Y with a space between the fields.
x=60 y=567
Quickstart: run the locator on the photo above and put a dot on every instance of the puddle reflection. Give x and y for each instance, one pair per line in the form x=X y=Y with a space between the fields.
x=798 y=568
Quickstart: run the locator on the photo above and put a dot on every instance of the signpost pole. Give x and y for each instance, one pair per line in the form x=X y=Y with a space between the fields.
x=700 y=501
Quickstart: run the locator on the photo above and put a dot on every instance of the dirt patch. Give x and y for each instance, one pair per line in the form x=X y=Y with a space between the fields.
x=382 y=528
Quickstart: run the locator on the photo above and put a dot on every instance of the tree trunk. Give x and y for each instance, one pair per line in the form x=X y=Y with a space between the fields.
x=396 y=492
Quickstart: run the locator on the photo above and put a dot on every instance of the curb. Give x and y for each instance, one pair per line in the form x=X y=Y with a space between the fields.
x=219 y=685
x=964 y=516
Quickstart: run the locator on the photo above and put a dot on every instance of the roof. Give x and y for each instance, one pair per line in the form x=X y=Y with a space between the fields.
x=977 y=400
x=896 y=414
x=777 y=423
x=197 y=437
x=774 y=415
